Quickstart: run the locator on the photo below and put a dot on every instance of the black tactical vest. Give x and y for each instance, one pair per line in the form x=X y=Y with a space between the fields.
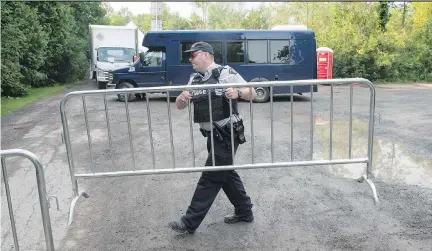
x=219 y=103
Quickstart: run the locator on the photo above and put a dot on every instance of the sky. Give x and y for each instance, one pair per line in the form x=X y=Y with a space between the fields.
x=185 y=9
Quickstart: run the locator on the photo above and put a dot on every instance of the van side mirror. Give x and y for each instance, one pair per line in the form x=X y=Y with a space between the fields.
x=142 y=58
x=88 y=54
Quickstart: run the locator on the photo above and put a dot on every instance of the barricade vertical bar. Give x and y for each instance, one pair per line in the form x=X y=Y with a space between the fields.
x=170 y=129
x=350 y=122
x=371 y=131
x=130 y=133
x=9 y=201
x=211 y=128
x=251 y=122
x=271 y=124
x=109 y=129
x=331 y=122
x=88 y=130
x=311 y=124
x=68 y=148
x=292 y=121
x=191 y=133
x=40 y=178
x=232 y=133
x=150 y=129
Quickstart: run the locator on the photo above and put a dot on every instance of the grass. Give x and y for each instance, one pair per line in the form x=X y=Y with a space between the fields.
x=9 y=105
x=383 y=82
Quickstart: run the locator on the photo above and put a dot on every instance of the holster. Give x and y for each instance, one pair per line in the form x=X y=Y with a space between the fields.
x=238 y=129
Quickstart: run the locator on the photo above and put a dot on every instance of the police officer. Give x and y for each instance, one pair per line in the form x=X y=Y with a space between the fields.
x=210 y=182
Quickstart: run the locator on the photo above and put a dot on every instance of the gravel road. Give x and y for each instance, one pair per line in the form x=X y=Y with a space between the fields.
x=299 y=208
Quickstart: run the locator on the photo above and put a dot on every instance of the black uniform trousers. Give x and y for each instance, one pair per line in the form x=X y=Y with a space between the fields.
x=210 y=184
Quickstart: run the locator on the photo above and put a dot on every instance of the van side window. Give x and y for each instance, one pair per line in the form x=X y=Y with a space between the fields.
x=235 y=52
x=184 y=56
x=257 y=51
x=279 y=52
x=153 y=58
x=217 y=49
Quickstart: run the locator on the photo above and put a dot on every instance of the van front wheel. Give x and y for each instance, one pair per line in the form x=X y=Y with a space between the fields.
x=262 y=93
x=122 y=96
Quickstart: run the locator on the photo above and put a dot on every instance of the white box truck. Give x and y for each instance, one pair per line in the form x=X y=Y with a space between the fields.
x=111 y=48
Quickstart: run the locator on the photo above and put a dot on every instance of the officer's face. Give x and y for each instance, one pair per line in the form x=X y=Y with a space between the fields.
x=198 y=60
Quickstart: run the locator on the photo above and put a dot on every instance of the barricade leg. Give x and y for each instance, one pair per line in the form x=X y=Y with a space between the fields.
x=72 y=206
x=371 y=184
x=367 y=177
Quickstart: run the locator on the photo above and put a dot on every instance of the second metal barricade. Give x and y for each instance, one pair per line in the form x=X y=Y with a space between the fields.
x=41 y=190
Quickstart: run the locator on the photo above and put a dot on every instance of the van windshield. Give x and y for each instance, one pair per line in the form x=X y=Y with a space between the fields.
x=115 y=54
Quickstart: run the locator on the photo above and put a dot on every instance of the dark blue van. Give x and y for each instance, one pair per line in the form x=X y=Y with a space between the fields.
x=258 y=55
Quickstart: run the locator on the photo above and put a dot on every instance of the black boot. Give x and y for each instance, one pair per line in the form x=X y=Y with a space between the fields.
x=180 y=227
x=234 y=218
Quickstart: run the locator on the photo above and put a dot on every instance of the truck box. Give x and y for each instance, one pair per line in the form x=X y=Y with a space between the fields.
x=111 y=48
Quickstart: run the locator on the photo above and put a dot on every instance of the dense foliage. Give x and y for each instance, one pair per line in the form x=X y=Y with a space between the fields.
x=44 y=43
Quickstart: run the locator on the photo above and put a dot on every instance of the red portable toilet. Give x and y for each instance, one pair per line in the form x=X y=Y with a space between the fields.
x=324 y=63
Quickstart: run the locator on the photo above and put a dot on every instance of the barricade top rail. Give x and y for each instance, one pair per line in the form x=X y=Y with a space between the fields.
x=343 y=81
x=22 y=153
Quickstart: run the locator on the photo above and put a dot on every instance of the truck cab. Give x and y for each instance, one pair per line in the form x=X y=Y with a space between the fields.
x=109 y=59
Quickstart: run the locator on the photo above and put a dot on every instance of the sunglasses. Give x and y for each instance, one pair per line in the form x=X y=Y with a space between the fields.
x=194 y=54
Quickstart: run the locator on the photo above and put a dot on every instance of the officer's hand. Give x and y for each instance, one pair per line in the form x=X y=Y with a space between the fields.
x=185 y=95
x=231 y=93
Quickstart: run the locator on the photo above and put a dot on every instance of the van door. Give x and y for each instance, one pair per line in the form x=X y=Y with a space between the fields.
x=153 y=71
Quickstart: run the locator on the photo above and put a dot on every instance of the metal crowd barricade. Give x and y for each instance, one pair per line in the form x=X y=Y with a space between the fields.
x=42 y=194
x=271 y=84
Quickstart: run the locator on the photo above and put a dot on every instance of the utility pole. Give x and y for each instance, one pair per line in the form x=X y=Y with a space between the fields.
x=155 y=11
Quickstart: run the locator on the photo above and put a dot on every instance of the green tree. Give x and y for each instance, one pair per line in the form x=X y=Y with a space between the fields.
x=44 y=43
x=143 y=22
x=121 y=17
x=383 y=11
x=196 y=21
x=23 y=48
x=203 y=7
x=257 y=18
x=173 y=21
x=224 y=16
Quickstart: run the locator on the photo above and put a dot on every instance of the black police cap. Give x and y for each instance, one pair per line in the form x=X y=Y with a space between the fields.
x=201 y=46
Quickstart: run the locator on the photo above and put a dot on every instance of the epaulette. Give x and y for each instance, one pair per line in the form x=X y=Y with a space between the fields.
x=230 y=70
